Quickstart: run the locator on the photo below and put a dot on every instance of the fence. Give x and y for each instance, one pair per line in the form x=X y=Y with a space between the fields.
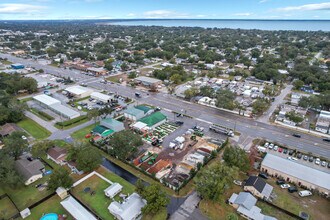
x=282 y=210
x=88 y=176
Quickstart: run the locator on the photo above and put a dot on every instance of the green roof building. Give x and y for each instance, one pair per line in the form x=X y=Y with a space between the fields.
x=143 y=108
x=102 y=131
x=153 y=120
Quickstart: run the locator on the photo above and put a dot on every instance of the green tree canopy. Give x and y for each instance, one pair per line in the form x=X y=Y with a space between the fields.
x=235 y=156
x=156 y=199
x=40 y=148
x=60 y=178
x=15 y=145
x=8 y=174
x=225 y=99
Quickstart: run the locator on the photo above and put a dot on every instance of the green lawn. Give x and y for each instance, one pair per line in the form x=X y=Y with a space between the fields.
x=161 y=215
x=268 y=210
x=72 y=125
x=7 y=208
x=41 y=114
x=34 y=129
x=51 y=205
x=25 y=196
x=99 y=202
x=6 y=62
x=80 y=134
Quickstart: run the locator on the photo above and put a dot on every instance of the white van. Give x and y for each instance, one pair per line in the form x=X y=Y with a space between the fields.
x=305 y=193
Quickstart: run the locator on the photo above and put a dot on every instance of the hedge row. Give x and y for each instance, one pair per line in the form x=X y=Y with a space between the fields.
x=42 y=114
x=72 y=121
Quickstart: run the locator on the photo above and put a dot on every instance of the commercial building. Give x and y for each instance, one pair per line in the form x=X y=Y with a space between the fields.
x=97 y=71
x=101 y=97
x=56 y=106
x=292 y=171
x=130 y=209
x=112 y=124
x=133 y=114
x=154 y=120
x=30 y=169
x=323 y=122
x=245 y=204
x=79 y=92
x=148 y=81
x=17 y=66
x=76 y=210
x=258 y=187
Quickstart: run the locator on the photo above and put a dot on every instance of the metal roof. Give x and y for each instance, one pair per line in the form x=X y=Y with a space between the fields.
x=76 y=209
x=133 y=111
x=77 y=90
x=100 y=96
x=300 y=171
x=147 y=79
x=65 y=111
x=45 y=99
x=153 y=119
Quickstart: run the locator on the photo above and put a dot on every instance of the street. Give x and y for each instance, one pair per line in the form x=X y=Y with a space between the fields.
x=283 y=136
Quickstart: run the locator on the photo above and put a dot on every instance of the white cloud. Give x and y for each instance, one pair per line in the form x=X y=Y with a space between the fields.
x=131 y=15
x=20 y=8
x=263 y=1
x=243 y=14
x=307 y=7
x=164 y=14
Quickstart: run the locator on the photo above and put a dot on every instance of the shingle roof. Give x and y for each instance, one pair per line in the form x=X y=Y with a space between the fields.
x=256 y=182
x=8 y=128
x=300 y=171
x=56 y=152
x=153 y=119
x=29 y=168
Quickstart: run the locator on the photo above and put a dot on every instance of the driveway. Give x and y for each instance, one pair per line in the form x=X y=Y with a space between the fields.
x=47 y=125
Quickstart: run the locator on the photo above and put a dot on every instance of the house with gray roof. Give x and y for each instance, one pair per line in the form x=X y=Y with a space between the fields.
x=245 y=204
x=30 y=169
x=130 y=209
x=258 y=187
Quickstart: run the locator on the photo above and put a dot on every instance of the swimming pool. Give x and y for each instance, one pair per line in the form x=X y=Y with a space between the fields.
x=49 y=216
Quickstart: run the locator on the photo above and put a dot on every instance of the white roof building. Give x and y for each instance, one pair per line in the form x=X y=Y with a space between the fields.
x=46 y=100
x=79 y=91
x=130 y=209
x=76 y=209
x=101 y=97
x=140 y=125
x=113 y=190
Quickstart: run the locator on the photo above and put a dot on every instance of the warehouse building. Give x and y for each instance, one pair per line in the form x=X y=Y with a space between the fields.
x=294 y=172
x=101 y=97
x=150 y=122
x=79 y=91
x=56 y=106
x=148 y=81
x=133 y=113
x=17 y=66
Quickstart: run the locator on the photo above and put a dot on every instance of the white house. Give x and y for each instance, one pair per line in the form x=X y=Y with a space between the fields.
x=31 y=170
x=113 y=190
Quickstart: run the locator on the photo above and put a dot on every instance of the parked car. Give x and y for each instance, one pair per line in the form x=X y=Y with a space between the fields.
x=237 y=182
x=292 y=189
x=271 y=146
x=324 y=164
x=326 y=139
x=296 y=135
x=179 y=123
x=317 y=161
x=24 y=138
x=280 y=182
x=328 y=165
x=275 y=148
x=305 y=157
x=285 y=186
x=280 y=150
x=285 y=151
x=290 y=152
x=263 y=175
x=299 y=155
x=311 y=159
x=304 y=193
x=266 y=144
x=292 y=158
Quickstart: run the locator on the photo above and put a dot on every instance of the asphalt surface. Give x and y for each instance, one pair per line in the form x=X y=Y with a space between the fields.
x=283 y=136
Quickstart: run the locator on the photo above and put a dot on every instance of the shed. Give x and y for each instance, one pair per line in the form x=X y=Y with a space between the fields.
x=113 y=190
x=25 y=213
x=17 y=66
x=76 y=210
x=112 y=124
x=101 y=97
x=133 y=113
x=61 y=192
x=139 y=125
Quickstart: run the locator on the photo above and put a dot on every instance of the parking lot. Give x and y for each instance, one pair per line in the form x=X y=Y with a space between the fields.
x=307 y=160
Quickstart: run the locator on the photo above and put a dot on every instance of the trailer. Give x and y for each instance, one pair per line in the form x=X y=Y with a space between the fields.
x=221 y=129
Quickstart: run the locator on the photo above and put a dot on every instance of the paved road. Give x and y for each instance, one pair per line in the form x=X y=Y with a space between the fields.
x=278 y=100
x=47 y=125
x=283 y=136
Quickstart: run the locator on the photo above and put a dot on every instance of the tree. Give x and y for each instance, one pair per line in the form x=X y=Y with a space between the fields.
x=156 y=199
x=139 y=187
x=60 y=178
x=15 y=145
x=88 y=159
x=259 y=106
x=8 y=174
x=298 y=84
x=206 y=91
x=189 y=93
x=108 y=66
x=176 y=78
x=40 y=148
x=225 y=99
x=93 y=114
x=124 y=66
x=231 y=216
x=235 y=156
x=214 y=180
x=124 y=143
x=295 y=117
x=132 y=75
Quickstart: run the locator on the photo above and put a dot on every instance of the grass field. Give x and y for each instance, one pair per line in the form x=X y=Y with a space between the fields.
x=99 y=202
x=80 y=134
x=41 y=115
x=51 y=205
x=6 y=62
x=7 y=208
x=268 y=210
x=161 y=215
x=34 y=129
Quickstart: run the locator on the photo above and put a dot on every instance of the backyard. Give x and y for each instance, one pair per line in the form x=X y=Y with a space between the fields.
x=7 y=208
x=34 y=129
x=52 y=205
x=99 y=202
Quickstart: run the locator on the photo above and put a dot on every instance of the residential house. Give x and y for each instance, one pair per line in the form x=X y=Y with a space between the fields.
x=30 y=169
x=245 y=204
x=130 y=209
x=258 y=187
x=8 y=128
x=57 y=154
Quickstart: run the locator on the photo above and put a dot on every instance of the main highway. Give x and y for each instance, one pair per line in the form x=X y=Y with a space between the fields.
x=307 y=143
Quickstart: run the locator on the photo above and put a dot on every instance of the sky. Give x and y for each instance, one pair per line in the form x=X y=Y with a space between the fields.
x=185 y=9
